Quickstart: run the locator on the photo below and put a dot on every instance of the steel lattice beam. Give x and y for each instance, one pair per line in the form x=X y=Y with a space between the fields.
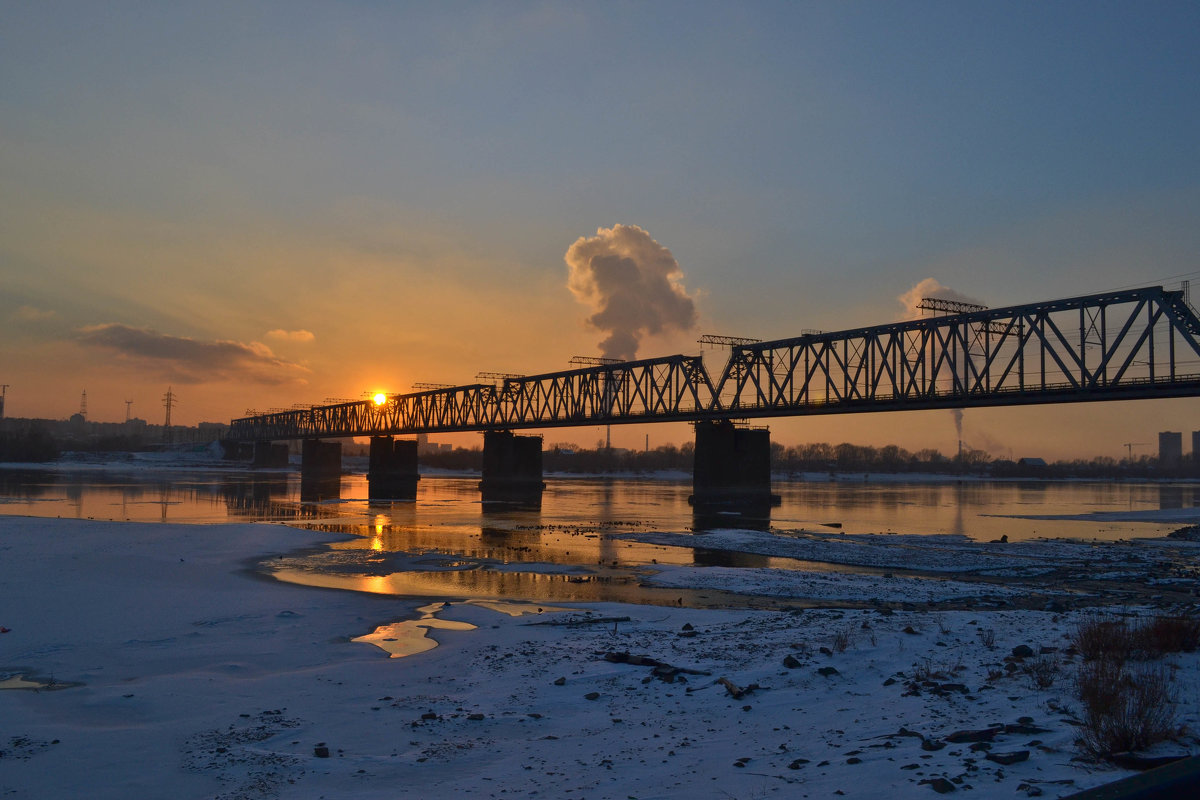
x=1119 y=345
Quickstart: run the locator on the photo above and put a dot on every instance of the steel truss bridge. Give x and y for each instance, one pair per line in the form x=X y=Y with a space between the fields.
x=1122 y=345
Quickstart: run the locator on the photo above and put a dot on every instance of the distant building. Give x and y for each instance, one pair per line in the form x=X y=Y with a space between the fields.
x=1170 y=448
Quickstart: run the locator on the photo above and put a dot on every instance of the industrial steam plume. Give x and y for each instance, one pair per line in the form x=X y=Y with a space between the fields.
x=634 y=285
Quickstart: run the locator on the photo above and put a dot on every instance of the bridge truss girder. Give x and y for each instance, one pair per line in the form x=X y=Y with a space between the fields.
x=1133 y=344
x=1118 y=345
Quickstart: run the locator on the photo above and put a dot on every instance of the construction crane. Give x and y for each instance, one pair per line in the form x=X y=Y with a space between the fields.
x=1129 y=448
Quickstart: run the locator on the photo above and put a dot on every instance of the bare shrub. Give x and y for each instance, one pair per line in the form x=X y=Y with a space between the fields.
x=1103 y=638
x=1124 y=708
x=842 y=640
x=987 y=637
x=1167 y=634
x=1100 y=637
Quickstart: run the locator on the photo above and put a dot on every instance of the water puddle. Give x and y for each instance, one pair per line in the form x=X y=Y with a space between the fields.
x=25 y=681
x=411 y=636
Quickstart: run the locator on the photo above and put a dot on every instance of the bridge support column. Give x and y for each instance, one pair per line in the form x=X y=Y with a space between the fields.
x=270 y=454
x=512 y=468
x=732 y=468
x=393 y=471
x=320 y=470
x=233 y=450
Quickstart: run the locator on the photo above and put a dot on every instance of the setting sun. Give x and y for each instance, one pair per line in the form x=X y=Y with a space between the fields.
x=380 y=398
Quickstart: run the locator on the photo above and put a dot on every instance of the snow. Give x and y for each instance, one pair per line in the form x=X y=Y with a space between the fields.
x=171 y=666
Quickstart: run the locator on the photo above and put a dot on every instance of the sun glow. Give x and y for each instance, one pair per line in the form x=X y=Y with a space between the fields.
x=380 y=398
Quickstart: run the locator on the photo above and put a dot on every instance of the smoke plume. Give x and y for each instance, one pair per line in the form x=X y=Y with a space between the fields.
x=930 y=287
x=958 y=418
x=634 y=284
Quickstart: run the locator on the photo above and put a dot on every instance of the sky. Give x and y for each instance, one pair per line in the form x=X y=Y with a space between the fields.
x=261 y=204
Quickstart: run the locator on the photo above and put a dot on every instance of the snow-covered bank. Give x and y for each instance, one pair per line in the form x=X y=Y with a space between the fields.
x=195 y=679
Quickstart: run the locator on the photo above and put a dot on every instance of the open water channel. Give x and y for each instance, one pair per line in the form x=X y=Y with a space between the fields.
x=581 y=544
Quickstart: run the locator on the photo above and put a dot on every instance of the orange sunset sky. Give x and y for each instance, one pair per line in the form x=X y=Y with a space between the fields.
x=261 y=204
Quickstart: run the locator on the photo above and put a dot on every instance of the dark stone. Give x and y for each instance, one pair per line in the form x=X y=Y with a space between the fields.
x=853 y=760
x=791 y=662
x=932 y=745
x=1141 y=763
x=560 y=681
x=1022 y=651
x=798 y=763
x=321 y=751
x=939 y=785
x=911 y=631
x=1008 y=759
x=826 y=651
x=828 y=672
x=592 y=696
x=984 y=735
x=475 y=716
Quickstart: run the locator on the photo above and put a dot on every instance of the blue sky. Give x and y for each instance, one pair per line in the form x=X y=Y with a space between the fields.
x=402 y=181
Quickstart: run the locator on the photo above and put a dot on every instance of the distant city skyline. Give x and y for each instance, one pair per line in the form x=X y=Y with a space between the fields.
x=263 y=204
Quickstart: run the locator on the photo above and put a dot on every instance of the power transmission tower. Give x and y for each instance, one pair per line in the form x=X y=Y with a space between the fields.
x=169 y=399
x=83 y=404
x=128 y=405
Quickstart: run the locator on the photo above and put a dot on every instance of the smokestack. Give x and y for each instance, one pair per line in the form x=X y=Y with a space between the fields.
x=634 y=285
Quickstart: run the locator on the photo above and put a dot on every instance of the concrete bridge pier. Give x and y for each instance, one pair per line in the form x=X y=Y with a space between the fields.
x=732 y=469
x=512 y=469
x=320 y=470
x=270 y=454
x=232 y=450
x=392 y=474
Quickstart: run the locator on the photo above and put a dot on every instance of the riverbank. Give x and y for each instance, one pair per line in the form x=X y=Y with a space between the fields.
x=166 y=665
